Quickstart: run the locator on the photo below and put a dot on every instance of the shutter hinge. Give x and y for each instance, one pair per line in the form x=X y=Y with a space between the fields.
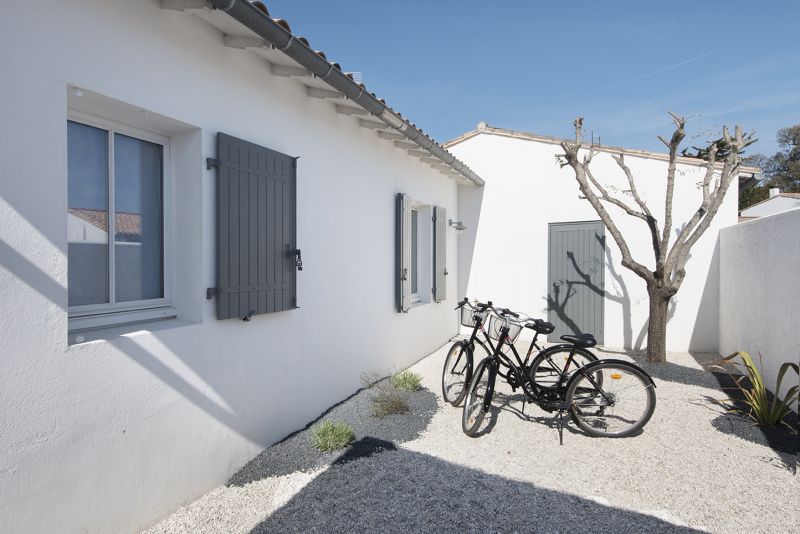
x=212 y=292
x=211 y=163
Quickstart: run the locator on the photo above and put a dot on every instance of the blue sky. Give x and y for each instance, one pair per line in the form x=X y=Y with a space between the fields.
x=535 y=66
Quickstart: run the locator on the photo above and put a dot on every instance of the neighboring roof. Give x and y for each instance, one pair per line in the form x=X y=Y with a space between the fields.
x=745 y=173
x=126 y=225
x=248 y=25
x=795 y=196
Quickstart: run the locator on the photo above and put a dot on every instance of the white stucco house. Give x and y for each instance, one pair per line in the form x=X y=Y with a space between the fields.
x=777 y=202
x=538 y=246
x=214 y=146
x=278 y=230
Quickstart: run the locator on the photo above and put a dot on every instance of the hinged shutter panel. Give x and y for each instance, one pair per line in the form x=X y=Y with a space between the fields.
x=403 y=242
x=256 y=243
x=439 y=254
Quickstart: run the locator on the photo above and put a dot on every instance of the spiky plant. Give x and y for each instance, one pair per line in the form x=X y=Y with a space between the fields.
x=760 y=408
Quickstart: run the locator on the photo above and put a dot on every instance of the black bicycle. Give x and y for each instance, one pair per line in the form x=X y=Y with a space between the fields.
x=545 y=369
x=605 y=398
x=457 y=370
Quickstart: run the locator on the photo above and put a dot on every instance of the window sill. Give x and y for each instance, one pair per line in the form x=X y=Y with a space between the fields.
x=109 y=334
x=88 y=323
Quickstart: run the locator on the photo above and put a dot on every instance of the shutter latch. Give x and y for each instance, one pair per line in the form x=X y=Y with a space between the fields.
x=212 y=292
x=211 y=163
x=298 y=259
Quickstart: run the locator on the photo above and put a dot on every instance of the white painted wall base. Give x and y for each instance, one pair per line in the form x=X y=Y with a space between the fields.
x=111 y=434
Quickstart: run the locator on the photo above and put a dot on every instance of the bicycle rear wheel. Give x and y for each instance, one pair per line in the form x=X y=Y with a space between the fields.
x=618 y=407
x=547 y=367
x=457 y=372
x=479 y=395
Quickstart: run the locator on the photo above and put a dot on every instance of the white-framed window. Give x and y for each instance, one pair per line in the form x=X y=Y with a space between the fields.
x=117 y=223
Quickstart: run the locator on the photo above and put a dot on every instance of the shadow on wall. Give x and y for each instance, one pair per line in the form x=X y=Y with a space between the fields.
x=470 y=202
x=558 y=299
x=705 y=335
x=35 y=278
x=400 y=490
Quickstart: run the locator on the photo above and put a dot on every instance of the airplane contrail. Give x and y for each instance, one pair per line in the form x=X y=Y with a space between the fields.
x=633 y=80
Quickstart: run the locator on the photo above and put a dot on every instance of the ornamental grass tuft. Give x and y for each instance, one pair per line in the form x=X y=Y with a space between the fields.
x=407 y=381
x=329 y=436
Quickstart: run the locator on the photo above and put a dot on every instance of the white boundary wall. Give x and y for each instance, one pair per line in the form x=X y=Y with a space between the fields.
x=504 y=251
x=110 y=435
x=760 y=292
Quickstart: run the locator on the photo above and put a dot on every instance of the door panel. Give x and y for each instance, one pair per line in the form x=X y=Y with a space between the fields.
x=576 y=270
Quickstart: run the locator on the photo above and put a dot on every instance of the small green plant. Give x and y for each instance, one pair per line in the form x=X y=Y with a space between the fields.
x=761 y=409
x=330 y=436
x=407 y=381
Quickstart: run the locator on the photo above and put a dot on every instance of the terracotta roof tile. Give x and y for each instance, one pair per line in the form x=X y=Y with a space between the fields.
x=126 y=224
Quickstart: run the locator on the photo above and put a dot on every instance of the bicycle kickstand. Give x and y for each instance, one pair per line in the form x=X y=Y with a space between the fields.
x=561 y=427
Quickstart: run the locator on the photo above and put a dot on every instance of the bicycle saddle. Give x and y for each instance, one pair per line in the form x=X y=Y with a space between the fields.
x=580 y=340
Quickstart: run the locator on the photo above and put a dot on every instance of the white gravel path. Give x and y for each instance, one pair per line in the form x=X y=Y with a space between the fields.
x=681 y=474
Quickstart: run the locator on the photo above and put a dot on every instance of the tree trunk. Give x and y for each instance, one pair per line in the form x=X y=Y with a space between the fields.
x=657 y=326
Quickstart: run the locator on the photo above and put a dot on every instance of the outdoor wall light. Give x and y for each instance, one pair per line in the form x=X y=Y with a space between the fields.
x=458 y=225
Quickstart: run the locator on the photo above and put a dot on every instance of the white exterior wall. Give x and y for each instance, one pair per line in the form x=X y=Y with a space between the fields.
x=507 y=237
x=110 y=435
x=760 y=293
x=771 y=206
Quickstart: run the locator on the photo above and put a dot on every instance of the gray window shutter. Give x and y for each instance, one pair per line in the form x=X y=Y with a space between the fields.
x=403 y=242
x=256 y=229
x=439 y=253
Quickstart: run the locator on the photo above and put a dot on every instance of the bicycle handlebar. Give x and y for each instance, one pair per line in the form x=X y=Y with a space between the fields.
x=506 y=311
x=480 y=306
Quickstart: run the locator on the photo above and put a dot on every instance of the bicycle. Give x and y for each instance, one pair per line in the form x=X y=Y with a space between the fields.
x=592 y=394
x=545 y=366
x=457 y=370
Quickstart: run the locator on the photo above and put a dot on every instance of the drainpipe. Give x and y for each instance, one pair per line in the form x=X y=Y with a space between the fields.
x=275 y=34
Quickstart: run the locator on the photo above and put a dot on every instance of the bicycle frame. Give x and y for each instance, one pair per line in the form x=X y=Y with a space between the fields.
x=501 y=358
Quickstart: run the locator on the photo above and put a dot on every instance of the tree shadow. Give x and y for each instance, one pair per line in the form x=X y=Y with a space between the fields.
x=383 y=488
x=558 y=303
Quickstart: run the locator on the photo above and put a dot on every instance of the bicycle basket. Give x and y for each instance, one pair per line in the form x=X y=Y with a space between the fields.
x=496 y=322
x=469 y=315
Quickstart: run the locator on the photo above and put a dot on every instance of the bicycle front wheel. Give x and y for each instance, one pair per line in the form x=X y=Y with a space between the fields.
x=619 y=406
x=479 y=395
x=456 y=373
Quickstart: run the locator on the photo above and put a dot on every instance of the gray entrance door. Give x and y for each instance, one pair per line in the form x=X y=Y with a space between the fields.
x=575 y=275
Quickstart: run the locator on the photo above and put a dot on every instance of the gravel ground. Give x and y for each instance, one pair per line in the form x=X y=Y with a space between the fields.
x=692 y=468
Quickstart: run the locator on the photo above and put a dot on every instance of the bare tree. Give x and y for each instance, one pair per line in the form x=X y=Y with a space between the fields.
x=722 y=161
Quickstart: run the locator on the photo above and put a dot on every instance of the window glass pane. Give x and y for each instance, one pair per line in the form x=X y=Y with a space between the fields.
x=414 y=243
x=87 y=218
x=138 y=233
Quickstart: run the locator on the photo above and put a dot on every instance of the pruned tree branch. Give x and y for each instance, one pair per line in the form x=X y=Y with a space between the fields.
x=648 y=217
x=674 y=143
x=571 y=158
